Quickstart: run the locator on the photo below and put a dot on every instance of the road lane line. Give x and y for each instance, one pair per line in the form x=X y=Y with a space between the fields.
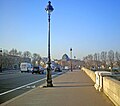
x=27 y=85
x=21 y=87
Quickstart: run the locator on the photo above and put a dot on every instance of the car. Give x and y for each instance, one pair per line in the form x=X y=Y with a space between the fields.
x=38 y=69
x=25 y=67
x=93 y=68
x=116 y=69
x=66 y=68
x=57 y=69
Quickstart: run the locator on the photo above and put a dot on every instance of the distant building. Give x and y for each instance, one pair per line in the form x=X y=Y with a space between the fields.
x=12 y=61
x=65 y=57
x=66 y=61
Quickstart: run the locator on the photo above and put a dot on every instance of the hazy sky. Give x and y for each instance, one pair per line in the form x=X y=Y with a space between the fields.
x=88 y=26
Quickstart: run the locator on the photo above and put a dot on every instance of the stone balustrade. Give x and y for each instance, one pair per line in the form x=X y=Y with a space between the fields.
x=111 y=87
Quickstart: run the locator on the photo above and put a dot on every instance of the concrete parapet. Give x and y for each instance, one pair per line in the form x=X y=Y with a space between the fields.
x=111 y=88
x=90 y=73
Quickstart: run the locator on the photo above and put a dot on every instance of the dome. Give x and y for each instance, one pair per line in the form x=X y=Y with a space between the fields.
x=65 y=57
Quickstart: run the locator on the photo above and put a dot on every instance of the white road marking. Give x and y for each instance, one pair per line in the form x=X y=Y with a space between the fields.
x=29 y=87
x=26 y=85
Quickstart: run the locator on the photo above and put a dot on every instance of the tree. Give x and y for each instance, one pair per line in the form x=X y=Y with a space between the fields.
x=95 y=57
x=111 y=57
x=117 y=56
x=90 y=57
x=36 y=58
x=27 y=54
x=104 y=58
x=13 y=52
x=20 y=53
x=97 y=62
x=98 y=56
x=88 y=61
x=5 y=52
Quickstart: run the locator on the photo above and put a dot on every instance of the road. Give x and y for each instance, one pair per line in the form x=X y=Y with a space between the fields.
x=14 y=84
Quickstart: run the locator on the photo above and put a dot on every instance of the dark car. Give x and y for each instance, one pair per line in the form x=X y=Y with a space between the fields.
x=93 y=68
x=38 y=69
x=57 y=69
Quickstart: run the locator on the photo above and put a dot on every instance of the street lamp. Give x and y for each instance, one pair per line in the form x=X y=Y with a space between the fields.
x=49 y=9
x=1 y=60
x=71 y=58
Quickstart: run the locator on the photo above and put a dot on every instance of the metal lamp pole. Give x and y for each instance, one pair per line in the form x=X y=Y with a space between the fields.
x=71 y=58
x=49 y=9
x=1 y=61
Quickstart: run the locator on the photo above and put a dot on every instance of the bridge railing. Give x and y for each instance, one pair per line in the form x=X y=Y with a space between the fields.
x=111 y=87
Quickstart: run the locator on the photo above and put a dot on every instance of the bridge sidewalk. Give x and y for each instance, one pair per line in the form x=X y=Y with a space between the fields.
x=70 y=89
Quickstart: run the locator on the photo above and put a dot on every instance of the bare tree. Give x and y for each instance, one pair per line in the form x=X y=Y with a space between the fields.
x=13 y=52
x=95 y=57
x=111 y=57
x=90 y=57
x=104 y=58
x=98 y=56
x=19 y=53
x=27 y=54
x=97 y=62
x=117 y=56
x=36 y=58
x=5 y=52
x=88 y=61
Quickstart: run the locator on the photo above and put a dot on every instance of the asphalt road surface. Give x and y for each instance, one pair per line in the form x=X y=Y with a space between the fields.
x=14 y=84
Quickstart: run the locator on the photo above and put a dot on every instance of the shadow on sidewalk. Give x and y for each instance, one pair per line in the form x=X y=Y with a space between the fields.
x=72 y=84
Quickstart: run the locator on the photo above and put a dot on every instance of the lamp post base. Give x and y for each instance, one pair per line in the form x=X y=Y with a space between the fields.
x=49 y=77
x=49 y=85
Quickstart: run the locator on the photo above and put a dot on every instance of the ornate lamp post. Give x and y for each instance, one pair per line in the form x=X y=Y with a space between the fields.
x=71 y=58
x=1 y=60
x=49 y=9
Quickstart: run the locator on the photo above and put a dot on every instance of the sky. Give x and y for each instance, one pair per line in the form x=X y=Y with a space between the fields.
x=86 y=26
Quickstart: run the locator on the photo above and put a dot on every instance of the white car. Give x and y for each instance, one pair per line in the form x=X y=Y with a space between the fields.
x=25 y=67
x=66 y=68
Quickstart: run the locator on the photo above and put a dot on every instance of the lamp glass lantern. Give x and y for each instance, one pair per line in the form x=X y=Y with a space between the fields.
x=49 y=8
